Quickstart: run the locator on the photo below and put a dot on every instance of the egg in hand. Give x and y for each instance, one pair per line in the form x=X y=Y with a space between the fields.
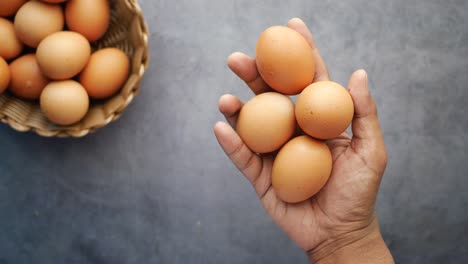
x=301 y=169
x=285 y=60
x=324 y=110
x=266 y=122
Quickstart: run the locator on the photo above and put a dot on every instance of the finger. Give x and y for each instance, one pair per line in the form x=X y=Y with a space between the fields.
x=367 y=135
x=338 y=145
x=321 y=72
x=249 y=163
x=246 y=68
x=230 y=107
x=254 y=168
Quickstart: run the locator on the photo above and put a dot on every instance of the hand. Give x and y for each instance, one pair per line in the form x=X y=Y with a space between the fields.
x=342 y=213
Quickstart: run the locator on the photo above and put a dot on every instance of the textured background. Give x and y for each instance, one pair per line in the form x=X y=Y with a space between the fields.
x=156 y=188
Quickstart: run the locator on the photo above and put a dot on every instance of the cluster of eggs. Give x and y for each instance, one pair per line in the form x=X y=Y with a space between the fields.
x=271 y=121
x=46 y=55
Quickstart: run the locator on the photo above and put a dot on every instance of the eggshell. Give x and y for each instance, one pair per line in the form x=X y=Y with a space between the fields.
x=324 y=110
x=89 y=17
x=64 y=102
x=27 y=80
x=36 y=20
x=105 y=73
x=285 y=60
x=10 y=45
x=266 y=122
x=301 y=169
x=63 y=55
x=4 y=75
x=10 y=7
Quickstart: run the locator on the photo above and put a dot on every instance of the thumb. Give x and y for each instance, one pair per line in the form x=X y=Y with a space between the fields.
x=367 y=139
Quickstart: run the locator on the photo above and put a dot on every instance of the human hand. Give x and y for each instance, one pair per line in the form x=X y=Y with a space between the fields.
x=341 y=217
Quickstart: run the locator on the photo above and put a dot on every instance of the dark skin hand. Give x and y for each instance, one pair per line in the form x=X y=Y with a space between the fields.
x=339 y=221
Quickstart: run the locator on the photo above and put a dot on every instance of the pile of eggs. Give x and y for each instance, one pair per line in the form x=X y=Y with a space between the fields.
x=270 y=121
x=46 y=55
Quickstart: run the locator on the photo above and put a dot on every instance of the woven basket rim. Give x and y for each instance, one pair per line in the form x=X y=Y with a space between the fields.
x=64 y=132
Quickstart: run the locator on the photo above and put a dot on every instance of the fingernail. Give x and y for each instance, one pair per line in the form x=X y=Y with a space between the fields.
x=222 y=100
x=224 y=96
x=363 y=74
x=296 y=20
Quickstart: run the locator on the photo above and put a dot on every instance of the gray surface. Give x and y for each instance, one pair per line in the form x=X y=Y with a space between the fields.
x=155 y=187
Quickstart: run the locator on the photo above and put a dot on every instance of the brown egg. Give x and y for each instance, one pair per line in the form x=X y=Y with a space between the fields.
x=105 y=73
x=301 y=168
x=64 y=102
x=63 y=55
x=10 y=7
x=266 y=122
x=10 y=45
x=4 y=75
x=285 y=60
x=88 y=17
x=36 y=20
x=27 y=80
x=324 y=110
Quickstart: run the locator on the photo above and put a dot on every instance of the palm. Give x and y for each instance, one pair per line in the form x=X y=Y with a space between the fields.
x=346 y=202
x=342 y=200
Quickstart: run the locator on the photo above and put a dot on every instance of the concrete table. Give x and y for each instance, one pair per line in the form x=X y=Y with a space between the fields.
x=156 y=188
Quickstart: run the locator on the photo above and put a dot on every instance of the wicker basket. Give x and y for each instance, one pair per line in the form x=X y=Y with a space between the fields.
x=128 y=32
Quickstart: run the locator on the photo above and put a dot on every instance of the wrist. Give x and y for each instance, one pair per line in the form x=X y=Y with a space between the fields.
x=365 y=245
